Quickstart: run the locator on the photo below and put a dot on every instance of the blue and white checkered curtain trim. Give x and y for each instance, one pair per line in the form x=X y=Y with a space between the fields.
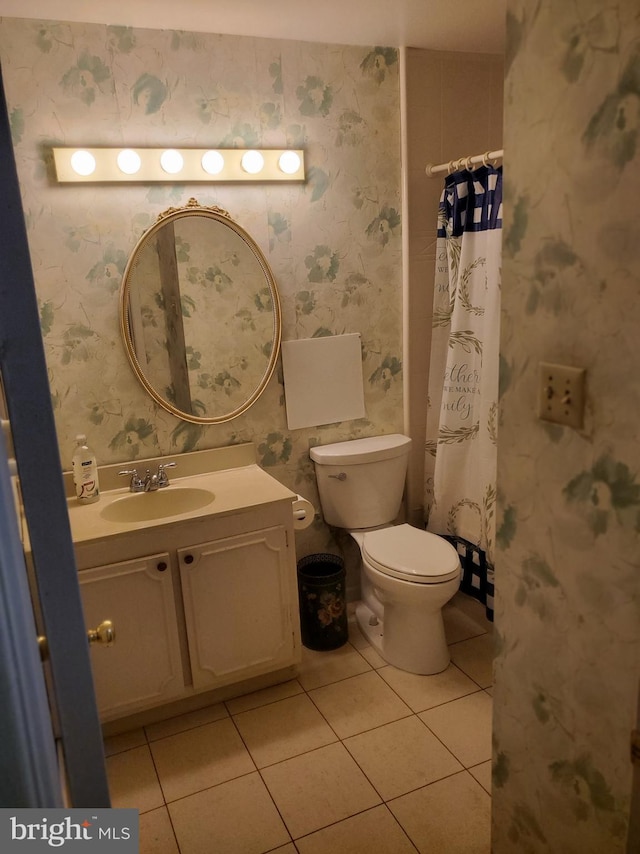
x=471 y=201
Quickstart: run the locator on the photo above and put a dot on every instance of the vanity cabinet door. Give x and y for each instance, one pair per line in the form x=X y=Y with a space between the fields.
x=143 y=667
x=237 y=595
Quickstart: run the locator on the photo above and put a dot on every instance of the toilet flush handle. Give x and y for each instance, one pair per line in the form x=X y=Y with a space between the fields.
x=341 y=476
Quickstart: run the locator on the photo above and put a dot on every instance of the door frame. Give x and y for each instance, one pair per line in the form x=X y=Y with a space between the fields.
x=28 y=403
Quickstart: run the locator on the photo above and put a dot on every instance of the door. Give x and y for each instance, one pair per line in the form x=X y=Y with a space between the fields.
x=237 y=607
x=143 y=668
x=28 y=406
x=28 y=748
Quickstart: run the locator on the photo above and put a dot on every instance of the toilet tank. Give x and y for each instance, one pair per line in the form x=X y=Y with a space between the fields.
x=361 y=481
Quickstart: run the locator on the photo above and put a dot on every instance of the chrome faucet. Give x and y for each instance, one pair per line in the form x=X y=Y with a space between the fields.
x=135 y=484
x=151 y=482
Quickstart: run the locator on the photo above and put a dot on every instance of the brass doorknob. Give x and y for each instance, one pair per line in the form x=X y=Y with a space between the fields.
x=105 y=634
x=43 y=646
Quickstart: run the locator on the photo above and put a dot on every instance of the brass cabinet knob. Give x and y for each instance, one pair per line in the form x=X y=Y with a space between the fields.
x=105 y=634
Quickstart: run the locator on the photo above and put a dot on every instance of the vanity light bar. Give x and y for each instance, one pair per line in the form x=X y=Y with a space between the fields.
x=92 y=165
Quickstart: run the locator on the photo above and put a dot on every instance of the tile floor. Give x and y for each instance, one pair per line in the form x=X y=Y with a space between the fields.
x=353 y=756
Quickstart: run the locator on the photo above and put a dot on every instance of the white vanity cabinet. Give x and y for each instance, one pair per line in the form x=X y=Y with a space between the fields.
x=143 y=667
x=238 y=608
x=202 y=601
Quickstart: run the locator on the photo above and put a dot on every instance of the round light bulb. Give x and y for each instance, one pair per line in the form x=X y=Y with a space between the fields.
x=129 y=161
x=252 y=162
x=83 y=163
x=212 y=162
x=171 y=161
x=289 y=162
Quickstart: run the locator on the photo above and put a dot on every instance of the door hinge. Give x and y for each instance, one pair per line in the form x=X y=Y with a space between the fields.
x=635 y=746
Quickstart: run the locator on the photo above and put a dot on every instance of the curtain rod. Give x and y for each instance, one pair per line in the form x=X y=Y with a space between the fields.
x=464 y=162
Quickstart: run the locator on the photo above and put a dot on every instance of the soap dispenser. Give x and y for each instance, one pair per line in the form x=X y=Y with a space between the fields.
x=85 y=472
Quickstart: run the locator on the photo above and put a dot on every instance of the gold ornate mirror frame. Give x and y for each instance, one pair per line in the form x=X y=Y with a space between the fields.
x=197 y=269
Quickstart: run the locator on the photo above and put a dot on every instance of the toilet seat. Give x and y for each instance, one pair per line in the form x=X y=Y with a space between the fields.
x=411 y=554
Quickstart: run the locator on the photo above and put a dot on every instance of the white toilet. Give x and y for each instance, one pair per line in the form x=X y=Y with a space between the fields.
x=407 y=574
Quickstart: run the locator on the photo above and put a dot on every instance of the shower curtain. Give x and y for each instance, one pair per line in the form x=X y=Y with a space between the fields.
x=462 y=415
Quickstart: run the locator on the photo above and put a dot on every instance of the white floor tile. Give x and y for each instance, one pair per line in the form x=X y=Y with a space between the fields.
x=283 y=729
x=133 y=781
x=424 y=692
x=372 y=657
x=475 y=658
x=324 y=668
x=156 y=833
x=459 y=624
x=190 y=720
x=124 y=741
x=200 y=758
x=318 y=788
x=406 y=740
x=473 y=608
x=482 y=773
x=264 y=696
x=358 y=704
x=356 y=638
x=359 y=641
x=372 y=832
x=401 y=756
x=452 y=816
x=237 y=817
x=464 y=726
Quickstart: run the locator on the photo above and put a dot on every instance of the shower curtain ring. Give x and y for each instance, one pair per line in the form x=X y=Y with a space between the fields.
x=451 y=166
x=467 y=163
x=486 y=160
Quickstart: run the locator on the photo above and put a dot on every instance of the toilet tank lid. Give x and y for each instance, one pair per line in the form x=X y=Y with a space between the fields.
x=356 y=451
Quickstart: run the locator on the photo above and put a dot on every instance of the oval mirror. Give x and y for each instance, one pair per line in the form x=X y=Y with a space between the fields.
x=200 y=314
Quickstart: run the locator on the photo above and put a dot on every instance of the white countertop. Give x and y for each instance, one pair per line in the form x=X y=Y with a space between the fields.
x=234 y=490
x=230 y=473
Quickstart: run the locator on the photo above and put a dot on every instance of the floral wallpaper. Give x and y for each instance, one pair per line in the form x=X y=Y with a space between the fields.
x=333 y=244
x=568 y=562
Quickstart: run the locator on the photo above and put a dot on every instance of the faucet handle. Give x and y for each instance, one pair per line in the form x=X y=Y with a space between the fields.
x=163 y=479
x=136 y=484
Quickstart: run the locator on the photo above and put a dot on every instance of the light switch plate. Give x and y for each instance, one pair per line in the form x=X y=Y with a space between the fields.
x=561 y=394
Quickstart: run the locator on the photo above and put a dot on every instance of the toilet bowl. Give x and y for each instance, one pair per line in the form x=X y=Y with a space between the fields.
x=407 y=574
x=406 y=579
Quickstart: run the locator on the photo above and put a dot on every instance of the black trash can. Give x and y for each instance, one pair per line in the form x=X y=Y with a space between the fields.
x=323 y=607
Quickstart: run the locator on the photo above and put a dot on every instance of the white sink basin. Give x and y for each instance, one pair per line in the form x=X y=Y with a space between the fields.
x=149 y=506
